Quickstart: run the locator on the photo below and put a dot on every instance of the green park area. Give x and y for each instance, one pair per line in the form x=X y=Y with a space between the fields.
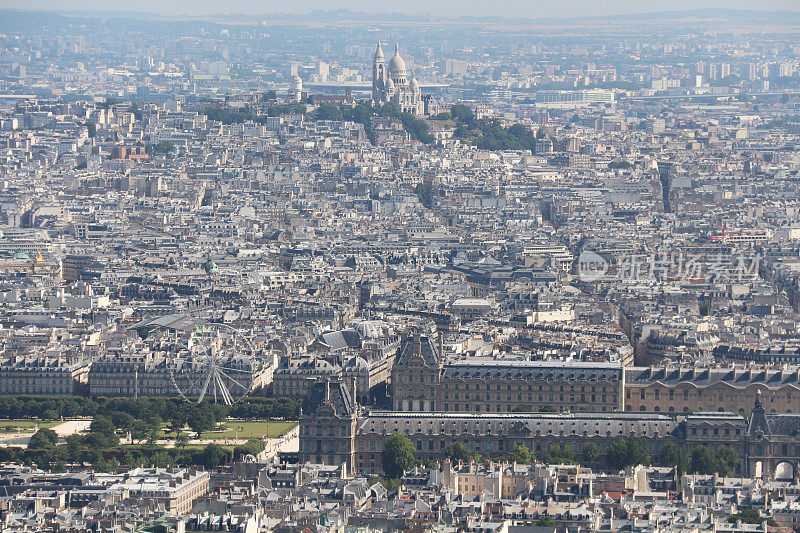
x=163 y=431
x=25 y=425
x=234 y=429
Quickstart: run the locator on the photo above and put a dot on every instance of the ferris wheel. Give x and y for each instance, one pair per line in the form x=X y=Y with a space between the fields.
x=217 y=362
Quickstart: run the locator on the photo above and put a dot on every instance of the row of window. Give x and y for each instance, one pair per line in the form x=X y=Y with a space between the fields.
x=520 y=387
x=508 y=408
x=36 y=381
x=374 y=445
x=550 y=398
x=21 y=389
x=738 y=396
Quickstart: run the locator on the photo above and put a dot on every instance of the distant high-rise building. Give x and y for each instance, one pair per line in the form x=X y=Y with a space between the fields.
x=455 y=67
x=296 y=89
x=323 y=71
x=700 y=67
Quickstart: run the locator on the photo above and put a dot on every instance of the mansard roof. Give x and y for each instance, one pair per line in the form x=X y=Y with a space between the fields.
x=784 y=424
x=333 y=394
x=422 y=346
x=341 y=339
x=566 y=424
x=492 y=369
x=704 y=377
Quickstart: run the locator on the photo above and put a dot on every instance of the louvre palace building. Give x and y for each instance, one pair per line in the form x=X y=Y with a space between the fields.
x=335 y=429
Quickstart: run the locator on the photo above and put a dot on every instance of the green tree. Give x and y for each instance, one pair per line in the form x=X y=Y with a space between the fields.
x=44 y=438
x=213 y=456
x=703 y=460
x=397 y=455
x=103 y=426
x=457 y=451
x=559 y=455
x=112 y=465
x=200 y=420
x=121 y=419
x=328 y=112
x=627 y=452
x=74 y=444
x=134 y=109
x=590 y=453
x=102 y=434
x=727 y=460
x=109 y=101
x=442 y=116
x=673 y=456
x=545 y=521
x=162 y=147
x=181 y=440
x=162 y=459
x=424 y=194
x=101 y=465
x=251 y=447
x=139 y=430
x=416 y=128
x=747 y=516
x=521 y=455
x=462 y=113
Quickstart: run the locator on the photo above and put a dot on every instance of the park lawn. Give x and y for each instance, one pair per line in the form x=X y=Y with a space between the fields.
x=249 y=430
x=228 y=447
x=25 y=425
x=151 y=449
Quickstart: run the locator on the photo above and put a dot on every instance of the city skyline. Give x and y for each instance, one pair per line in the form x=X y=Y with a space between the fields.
x=347 y=272
x=446 y=8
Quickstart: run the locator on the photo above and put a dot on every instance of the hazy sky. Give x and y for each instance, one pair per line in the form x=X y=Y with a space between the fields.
x=508 y=8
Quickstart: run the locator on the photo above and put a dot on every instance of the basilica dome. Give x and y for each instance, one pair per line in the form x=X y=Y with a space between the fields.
x=297 y=83
x=397 y=67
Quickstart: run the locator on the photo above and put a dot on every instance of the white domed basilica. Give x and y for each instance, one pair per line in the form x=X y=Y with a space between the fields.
x=390 y=83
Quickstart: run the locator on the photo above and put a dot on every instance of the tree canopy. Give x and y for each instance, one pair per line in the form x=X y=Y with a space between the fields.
x=397 y=456
x=489 y=133
x=673 y=456
x=457 y=451
x=590 y=454
x=43 y=438
x=705 y=461
x=562 y=455
x=521 y=455
x=627 y=452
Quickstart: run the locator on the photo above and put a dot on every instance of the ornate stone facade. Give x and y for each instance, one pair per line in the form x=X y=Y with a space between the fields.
x=333 y=431
x=391 y=84
x=422 y=381
x=677 y=389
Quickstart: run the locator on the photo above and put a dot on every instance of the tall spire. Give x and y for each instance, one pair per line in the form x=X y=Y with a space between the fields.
x=379 y=52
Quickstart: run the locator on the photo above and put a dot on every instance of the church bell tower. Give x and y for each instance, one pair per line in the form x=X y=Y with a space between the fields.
x=378 y=74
